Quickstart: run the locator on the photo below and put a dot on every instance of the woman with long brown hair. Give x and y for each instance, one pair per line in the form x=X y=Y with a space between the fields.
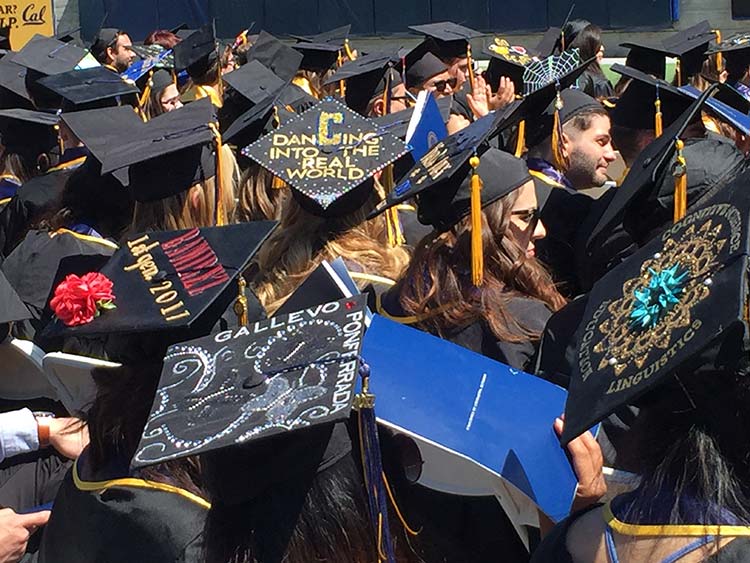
x=502 y=314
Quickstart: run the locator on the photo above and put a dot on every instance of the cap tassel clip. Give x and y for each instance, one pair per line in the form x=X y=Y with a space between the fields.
x=378 y=490
x=520 y=139
x=477 y=251
x=658 y=124
x=557 y=135
x=240 y=305
x=680 y=183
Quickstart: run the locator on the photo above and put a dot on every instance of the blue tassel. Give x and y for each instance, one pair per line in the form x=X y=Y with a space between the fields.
x=372 y=465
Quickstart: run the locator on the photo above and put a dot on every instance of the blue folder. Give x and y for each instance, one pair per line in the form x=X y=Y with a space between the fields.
x=488 y=420
x=429 y=130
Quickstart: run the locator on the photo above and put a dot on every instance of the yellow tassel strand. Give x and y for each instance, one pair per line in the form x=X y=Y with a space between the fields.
x=477 y=252
x=393 y=223
x=520 y=139
x=219 y=217
x=146 y=90
x=678 y=72
x=557 y=155
x=470 y=66
x=349 y=53
x=658 y=126
x=719 y=56
x=342 y=83
x=680 y=183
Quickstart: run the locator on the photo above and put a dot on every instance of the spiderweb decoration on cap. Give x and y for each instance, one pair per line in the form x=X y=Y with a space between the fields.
x=539 y=74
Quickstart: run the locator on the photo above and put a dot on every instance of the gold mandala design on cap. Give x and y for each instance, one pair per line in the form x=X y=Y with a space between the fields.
x=695 y=250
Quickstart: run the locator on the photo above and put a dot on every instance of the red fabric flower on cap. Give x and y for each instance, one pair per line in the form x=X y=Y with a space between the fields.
x=78 y=300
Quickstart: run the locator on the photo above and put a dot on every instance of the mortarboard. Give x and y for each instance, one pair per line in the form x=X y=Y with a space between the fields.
x=152 y=57
x=548 y=42
x=253 y=122
x=689 y=47
x=324 y=153
x=69 y=35
x=81 y=88
x=574 y=102
x=254 y=81
x=49 y=56
x=366 y=78
x=13 y=83
x=636 y=107
x=422 y=64
x=161 y=79
x=172 y=280
x=317 y=57
x=25 y=130
x=275 y=55
x=450 y=38
x=12 y=308
x=677 y=306
x=336 y=36
x=295 y=371
x=169 y=154
x=506 y=60
x=196 y=52
x=646 y=58
x=105 y=38
x=727 y=104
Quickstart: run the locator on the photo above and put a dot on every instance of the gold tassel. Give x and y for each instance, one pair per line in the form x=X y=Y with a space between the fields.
x=342 y=83
x=557 y=155
x=470 y=66
x=658 y=125
x=520 y=139
x=240 y=305
x=680 y=183
x=719 y=56
x=392 y=222
x=219 y=217
x=146 y=90
x=60 y=142
x=678 y=72
x=477 y=252
x=349 y=53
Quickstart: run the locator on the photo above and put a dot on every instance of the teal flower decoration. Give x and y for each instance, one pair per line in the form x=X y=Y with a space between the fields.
x=655 y=300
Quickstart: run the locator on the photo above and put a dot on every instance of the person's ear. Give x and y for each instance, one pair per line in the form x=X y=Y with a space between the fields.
x=567 y=145
x=43 y=162
x=378 y=108
x=195 y=197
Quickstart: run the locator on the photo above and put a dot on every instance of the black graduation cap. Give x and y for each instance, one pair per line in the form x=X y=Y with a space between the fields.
x=34 y=265
x=168 y=154
x=196 y=52
x=728 y=104
x=105 y=38
x=326 y=152
x=636 y=108
x=650 y=165
x=69 y=35
x=252 y=123
x=49 y=56
x=422 y=64
x=676 y=307
x=296 y=370
x=12 y=308
x=451 y=38
x=317 y=57
x=336 y=36
x=548 y=42
x=275 y=55
x=689 y=46
x=254 y=81
x=506 y=60
x=172 y=280
x=13 y=82
x=366 y=77
x=83 y=87
x=182 y=27
x=736 y=42
x=161 y=79
x=23 y=130
x=646 y=58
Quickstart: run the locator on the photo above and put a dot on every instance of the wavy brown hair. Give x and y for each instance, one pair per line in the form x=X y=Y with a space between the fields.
x=257 y=199
x=303 y=241
x=438 y=286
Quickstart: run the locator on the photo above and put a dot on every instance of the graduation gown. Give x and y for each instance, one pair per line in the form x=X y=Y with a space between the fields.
x=101 y=519
x=478 y=336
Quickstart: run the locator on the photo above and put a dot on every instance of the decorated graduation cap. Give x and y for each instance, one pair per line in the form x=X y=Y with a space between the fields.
x=87 y=88
x=366 y=77
x=169 y=154
x=452 y=40
x=197 y=52
x=507 y=60
x=172 y=280
x=324 y=154
x=275 y=55
x=676 y=307
x=27 y=131
x=647 y=102
x=151 y=57
x=295 y=372
x=422 y=64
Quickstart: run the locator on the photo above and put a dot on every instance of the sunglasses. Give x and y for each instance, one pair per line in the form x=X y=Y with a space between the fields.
x=528 y=216
x=440 y=85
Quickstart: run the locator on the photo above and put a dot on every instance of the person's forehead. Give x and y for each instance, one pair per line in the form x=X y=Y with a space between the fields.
x=124 y=40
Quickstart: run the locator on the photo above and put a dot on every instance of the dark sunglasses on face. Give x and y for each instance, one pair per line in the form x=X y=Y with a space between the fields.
x=441 y=84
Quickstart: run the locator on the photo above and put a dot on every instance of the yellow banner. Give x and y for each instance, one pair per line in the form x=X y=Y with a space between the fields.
x=26 y=18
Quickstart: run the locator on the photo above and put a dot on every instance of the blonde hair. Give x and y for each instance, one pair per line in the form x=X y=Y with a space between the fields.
x=303 y=241
x=195 y=207
x=257 y=199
